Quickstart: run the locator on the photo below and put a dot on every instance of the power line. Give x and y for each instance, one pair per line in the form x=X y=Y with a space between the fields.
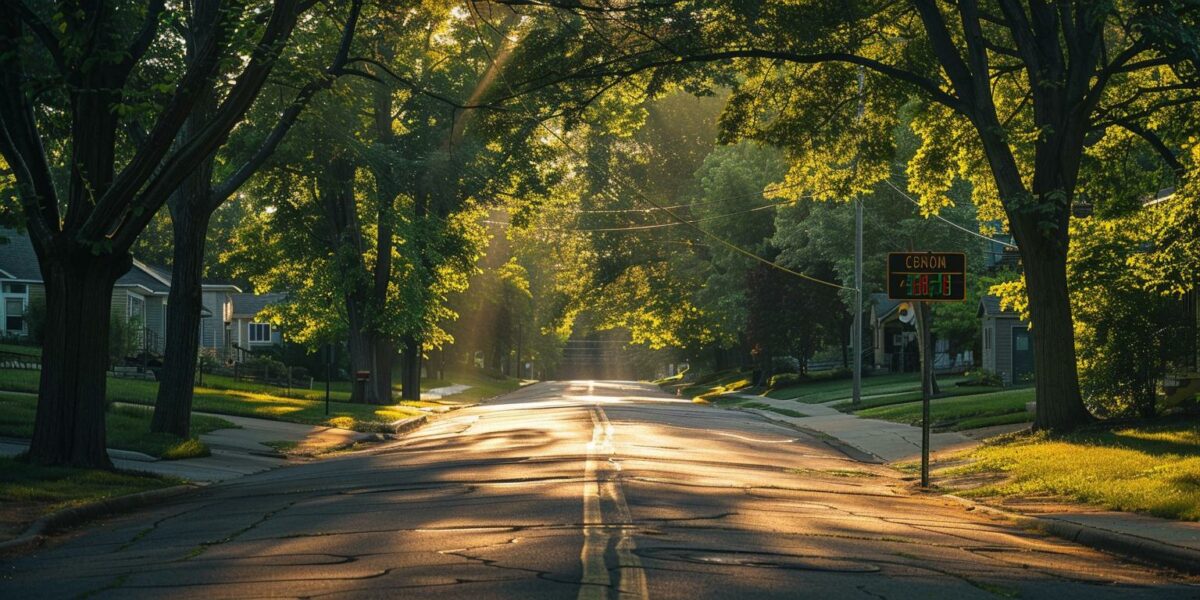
x=948 y=221
x=645 y=227
x=616 y=177
x=692 y=204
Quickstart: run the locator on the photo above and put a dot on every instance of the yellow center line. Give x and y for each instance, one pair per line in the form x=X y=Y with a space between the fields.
x=596 y=580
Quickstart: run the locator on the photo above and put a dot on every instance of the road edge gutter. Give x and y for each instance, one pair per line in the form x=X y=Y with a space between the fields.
x=852 y=452
x=37 y=532
x=1126 y=545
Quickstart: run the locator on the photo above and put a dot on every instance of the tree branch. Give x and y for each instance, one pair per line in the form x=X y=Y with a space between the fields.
x=1155 y=142
x=20 y=142
x=291 y=114
x=43 y=32
x=145 y=36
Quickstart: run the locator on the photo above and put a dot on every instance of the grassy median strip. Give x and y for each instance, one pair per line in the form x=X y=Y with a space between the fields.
x=62 y=487
x=304 y=406
x=876 y=390
x=128 y=428
x=1153 y=468
x=960 y=412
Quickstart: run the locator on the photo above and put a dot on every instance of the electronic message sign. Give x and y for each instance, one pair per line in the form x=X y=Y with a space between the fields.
x=927 y=276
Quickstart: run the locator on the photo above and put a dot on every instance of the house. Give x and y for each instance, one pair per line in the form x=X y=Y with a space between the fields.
x=229 y=323
x=1007 y=346
x=139 y=297
x=249 y=331
x=894 y=342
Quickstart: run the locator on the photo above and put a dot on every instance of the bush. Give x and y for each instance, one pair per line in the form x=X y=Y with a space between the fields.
x=785 y=364
x=785 y=379
x=981 y=377
x=35 y=321
x=260 y=366
x=123 y=338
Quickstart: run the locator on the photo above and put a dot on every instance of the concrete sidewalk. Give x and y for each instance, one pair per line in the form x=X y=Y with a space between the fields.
x=890 y=442
x=235 y=452
x=1159 y=540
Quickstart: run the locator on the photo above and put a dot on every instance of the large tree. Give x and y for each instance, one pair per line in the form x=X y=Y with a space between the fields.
x=1015 y=96
x=75 y=80
x=205 y=190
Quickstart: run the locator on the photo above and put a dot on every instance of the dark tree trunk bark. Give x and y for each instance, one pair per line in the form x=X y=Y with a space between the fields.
x=69 y=426
x=381 y=373
x=410 y=383
x=173 y=406
x=929 y=382
x=1059 y=402
x=361 y=355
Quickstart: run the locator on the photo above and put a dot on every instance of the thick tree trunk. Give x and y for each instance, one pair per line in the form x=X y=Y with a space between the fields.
x=173 y=405
x=361 y=355
x=381 y=373
x=924 y=315
x=410 y=378
x=1059 y=402
x=69 y=426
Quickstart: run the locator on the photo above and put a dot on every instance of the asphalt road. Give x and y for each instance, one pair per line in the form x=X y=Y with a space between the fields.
x=577 y=490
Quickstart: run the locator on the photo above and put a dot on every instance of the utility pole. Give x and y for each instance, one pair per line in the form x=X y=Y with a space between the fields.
x=856 y=394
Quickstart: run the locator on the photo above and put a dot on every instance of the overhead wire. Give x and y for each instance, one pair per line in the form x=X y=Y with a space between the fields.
x=650 y=226
x=948 y=221
x=637 y=191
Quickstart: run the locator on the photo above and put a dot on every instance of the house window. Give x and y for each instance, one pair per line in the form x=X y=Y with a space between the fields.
x=136 y=309
x=16 y=299
x=260 y=332
x=14 y=314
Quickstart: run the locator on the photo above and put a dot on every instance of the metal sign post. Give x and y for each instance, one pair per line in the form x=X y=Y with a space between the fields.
x=328 y=371
x=922 y=278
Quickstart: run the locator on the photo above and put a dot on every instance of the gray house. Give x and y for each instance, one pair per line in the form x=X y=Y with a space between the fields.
x=229 y=317
x=894 y=343
x=1007 y=346
x=249 y=330
x=139 y=297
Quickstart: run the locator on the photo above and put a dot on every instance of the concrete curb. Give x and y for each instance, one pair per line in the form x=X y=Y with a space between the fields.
x=1130 y=546
x=850 y=451
x=407 y=425
x=36 y=533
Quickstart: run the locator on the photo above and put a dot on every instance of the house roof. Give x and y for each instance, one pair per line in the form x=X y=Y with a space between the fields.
x=990 y=306
x=249 y=305
x=884 y=306
x=164 y=272
x=19 y=262
x=17 y=258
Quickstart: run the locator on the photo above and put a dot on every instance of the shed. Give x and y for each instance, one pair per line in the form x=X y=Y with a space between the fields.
x=1007 y=343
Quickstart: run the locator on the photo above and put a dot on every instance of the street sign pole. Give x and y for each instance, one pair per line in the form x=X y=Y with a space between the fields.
x=328 y=370
x=926 y=386
x=924 y=278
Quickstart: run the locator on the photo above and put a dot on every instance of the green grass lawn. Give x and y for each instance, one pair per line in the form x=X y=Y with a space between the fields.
x=1153 y=468
x=60 y=487
x=21 y=349
x=817 y=392
x=713 y=385
x=961 y=412
x=224 y=395
x=128 y=428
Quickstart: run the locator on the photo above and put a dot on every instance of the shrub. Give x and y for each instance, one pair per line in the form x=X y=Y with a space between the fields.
x=785 y=379
x=123 y=338
x=785 y=364
x=981 y=377
x=35 y=320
